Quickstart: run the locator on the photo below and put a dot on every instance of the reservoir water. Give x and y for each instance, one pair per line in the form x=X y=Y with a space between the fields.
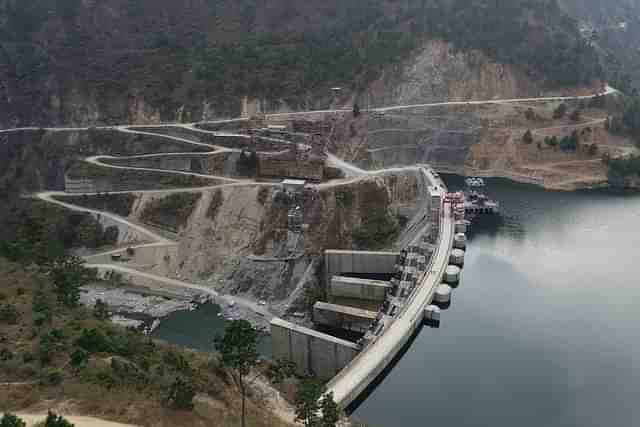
x=544 y=329
x=196 y=329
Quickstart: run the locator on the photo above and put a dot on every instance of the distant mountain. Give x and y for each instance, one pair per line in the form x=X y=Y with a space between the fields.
x=108 y=61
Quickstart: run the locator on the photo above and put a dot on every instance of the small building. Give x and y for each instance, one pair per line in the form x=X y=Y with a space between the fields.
x=293 y=186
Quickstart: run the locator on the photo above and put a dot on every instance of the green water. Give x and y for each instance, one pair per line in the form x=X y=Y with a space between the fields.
x=196 y=329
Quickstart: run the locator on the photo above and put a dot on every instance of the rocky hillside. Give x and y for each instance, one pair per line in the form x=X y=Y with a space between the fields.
x=80 y=62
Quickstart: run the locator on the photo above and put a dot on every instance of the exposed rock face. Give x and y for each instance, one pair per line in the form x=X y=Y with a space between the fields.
x=235 y=235
x=439 y=72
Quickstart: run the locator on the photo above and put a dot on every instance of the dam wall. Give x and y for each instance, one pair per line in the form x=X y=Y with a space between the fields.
x=312 y=352
x=353 y=287
x=359 y=262
x=376 y=356
x=342 y=316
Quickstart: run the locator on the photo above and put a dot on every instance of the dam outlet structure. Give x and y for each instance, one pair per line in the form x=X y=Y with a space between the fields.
x=388 y=311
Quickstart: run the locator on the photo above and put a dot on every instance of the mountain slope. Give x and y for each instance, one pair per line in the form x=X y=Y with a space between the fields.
x=79 y=62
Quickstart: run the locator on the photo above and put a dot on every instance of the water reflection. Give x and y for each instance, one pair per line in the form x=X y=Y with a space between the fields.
x=543 y=330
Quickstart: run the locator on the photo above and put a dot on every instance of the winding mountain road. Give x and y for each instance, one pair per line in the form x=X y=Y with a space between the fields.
x=352 y=174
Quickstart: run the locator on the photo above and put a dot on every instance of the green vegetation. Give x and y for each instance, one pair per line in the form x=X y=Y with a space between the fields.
x=171 y=211
x=560 y=112
x=314 y=407
x=377 y=227
x=67 y=276
x=248 y=163
x=104 y=369
x=570 y=142
x=54 y=420
x=237 y=348
x=275 y=50
x=621 y=170
x=34 y=231
x=10 y=420
x=129 y=180
x=534 y=34
x=119 y=204
x=575 y=115
x=627 y=122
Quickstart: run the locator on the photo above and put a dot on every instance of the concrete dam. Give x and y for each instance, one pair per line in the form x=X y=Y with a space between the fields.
x=387 y=312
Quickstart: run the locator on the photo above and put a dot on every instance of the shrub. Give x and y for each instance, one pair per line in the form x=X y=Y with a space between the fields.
x=560 y=112
x=180 y=395
x=10 y=420
x=94 y=341
x=51 y=377
x=54 y=420
x=9 y=314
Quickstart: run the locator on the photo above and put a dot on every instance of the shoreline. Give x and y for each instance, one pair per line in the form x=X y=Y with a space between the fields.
x=530 y=180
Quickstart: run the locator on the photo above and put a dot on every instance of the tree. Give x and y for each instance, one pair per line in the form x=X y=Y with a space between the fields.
x=68 y=276
x=314 y=407
x=79 y=359
x=100 y=310
x=54 y=420
x=307 y=401
x=237 y=348
x=529 y=114
x=180 y=395
x=575 y=115
x=280 y=371
x=10 y=420
x=527 y=138
x=9 y=314
x=559 y=112
x=330 y=411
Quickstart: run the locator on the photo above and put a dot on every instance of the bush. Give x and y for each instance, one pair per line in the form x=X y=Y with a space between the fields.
x=5 y=354
x=180 y=395
x=575 y=115
x=51 y=377
x=171 y=211
x=54 y=420
x=10 y=420
x=9 y=314
x=94 y=341
x=79 y=359
x=560 y=112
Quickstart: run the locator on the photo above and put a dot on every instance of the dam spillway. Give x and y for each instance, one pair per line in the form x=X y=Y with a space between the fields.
x=419 y=270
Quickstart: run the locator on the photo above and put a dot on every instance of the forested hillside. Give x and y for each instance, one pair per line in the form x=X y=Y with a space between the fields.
x=616 y=25
x=70 y=61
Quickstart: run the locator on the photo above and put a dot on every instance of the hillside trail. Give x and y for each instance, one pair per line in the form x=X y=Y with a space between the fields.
x=33 y=419
x=352 y=174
